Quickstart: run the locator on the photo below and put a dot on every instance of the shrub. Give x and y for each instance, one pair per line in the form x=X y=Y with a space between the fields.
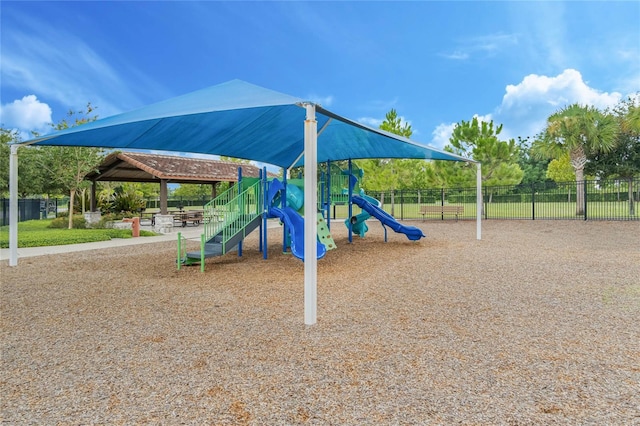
x=63 y=222
x=121 y=199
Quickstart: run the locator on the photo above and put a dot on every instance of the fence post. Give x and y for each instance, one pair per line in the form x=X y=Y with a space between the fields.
x=484 y=205
x=533 y=201
x=401 y=204
x=393 y=202
x=585 y=199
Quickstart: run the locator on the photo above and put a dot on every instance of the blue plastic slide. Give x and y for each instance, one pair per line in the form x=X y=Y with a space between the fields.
x=411 y=232
x=295 y=225
x=358 y=223
x=291 y=218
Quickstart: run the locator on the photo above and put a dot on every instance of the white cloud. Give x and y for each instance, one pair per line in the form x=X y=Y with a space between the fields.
x=526 y=106
x=443 y=131
x=370 y=121
x=63 y=68
x=457 y=55
x=561 y=90
x=376 y=122
x=487 y=45
x=26 y=115
x=441 y=134
x=324 y=101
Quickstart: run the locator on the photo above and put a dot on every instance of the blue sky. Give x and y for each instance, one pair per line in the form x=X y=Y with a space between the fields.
x=436 y=63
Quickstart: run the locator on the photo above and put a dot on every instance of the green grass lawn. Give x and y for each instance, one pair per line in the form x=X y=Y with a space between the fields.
x=35 y=233
x=543 y=210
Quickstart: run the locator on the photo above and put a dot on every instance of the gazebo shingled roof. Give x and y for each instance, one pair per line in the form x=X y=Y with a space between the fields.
x=142 y=167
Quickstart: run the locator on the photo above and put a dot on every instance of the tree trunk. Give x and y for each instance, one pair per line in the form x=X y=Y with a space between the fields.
x=580 y=192
x=72 y=194
x=578 y=160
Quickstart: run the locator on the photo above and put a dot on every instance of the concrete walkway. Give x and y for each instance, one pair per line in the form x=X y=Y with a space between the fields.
x=189 y=232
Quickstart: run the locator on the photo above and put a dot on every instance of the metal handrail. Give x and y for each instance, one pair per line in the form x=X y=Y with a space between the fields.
x=231 y=212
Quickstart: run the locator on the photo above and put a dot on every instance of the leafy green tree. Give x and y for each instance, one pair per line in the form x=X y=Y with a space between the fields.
x=451 y=174
x=394 y=124
x=234 y=160
x=560 y=170
x=479 y=141
x=148 y=190
x=68 y=165
x=534 y=168
x=376 y=175
x=623 y=161
x=630 y=110
x=580 y=131
x=392 y=174
x=414 y=174
x=6 y=137
x=32 y=179
x=193 y=191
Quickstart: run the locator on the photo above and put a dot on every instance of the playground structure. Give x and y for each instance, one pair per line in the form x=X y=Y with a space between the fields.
x=340 y=186
x=247 y=206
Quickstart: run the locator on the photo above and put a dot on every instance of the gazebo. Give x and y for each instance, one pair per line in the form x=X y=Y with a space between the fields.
x=242 y=120
x=165 y=169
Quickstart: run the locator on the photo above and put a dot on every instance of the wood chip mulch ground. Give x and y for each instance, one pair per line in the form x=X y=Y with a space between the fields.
x=538 y=323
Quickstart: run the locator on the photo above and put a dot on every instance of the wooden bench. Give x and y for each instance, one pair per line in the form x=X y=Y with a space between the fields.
x=441 y=210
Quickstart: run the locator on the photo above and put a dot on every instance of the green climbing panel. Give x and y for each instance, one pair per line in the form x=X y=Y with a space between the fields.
x=324 y=235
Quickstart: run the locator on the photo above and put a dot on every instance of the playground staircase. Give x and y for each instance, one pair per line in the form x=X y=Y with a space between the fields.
x=228 y=219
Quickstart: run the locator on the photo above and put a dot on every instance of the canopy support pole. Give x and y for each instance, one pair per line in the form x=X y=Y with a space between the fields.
x=310 y=215
x=13 y=206
x=479 y=202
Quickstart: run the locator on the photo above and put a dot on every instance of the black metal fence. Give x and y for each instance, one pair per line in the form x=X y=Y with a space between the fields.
x=586 y=200
x=28 y=209
x=590 y=199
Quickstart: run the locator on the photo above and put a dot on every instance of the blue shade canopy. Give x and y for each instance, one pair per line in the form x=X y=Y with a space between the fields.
x=238 y=119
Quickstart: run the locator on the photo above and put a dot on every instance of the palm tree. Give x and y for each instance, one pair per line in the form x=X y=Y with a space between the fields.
x=578 y=130
x=631 y=121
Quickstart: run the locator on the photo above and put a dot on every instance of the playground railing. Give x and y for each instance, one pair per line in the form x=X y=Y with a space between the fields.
x=231 y=212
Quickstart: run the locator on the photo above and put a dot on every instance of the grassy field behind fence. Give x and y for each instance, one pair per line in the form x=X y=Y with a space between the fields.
x=543 y=210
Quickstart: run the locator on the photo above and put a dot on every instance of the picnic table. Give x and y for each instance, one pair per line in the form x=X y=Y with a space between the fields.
x=180 y=217
x=194 y=217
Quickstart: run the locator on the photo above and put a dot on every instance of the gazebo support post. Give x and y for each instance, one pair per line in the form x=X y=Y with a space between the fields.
x=92 y=202
x=214 y=190
x=163 y=196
